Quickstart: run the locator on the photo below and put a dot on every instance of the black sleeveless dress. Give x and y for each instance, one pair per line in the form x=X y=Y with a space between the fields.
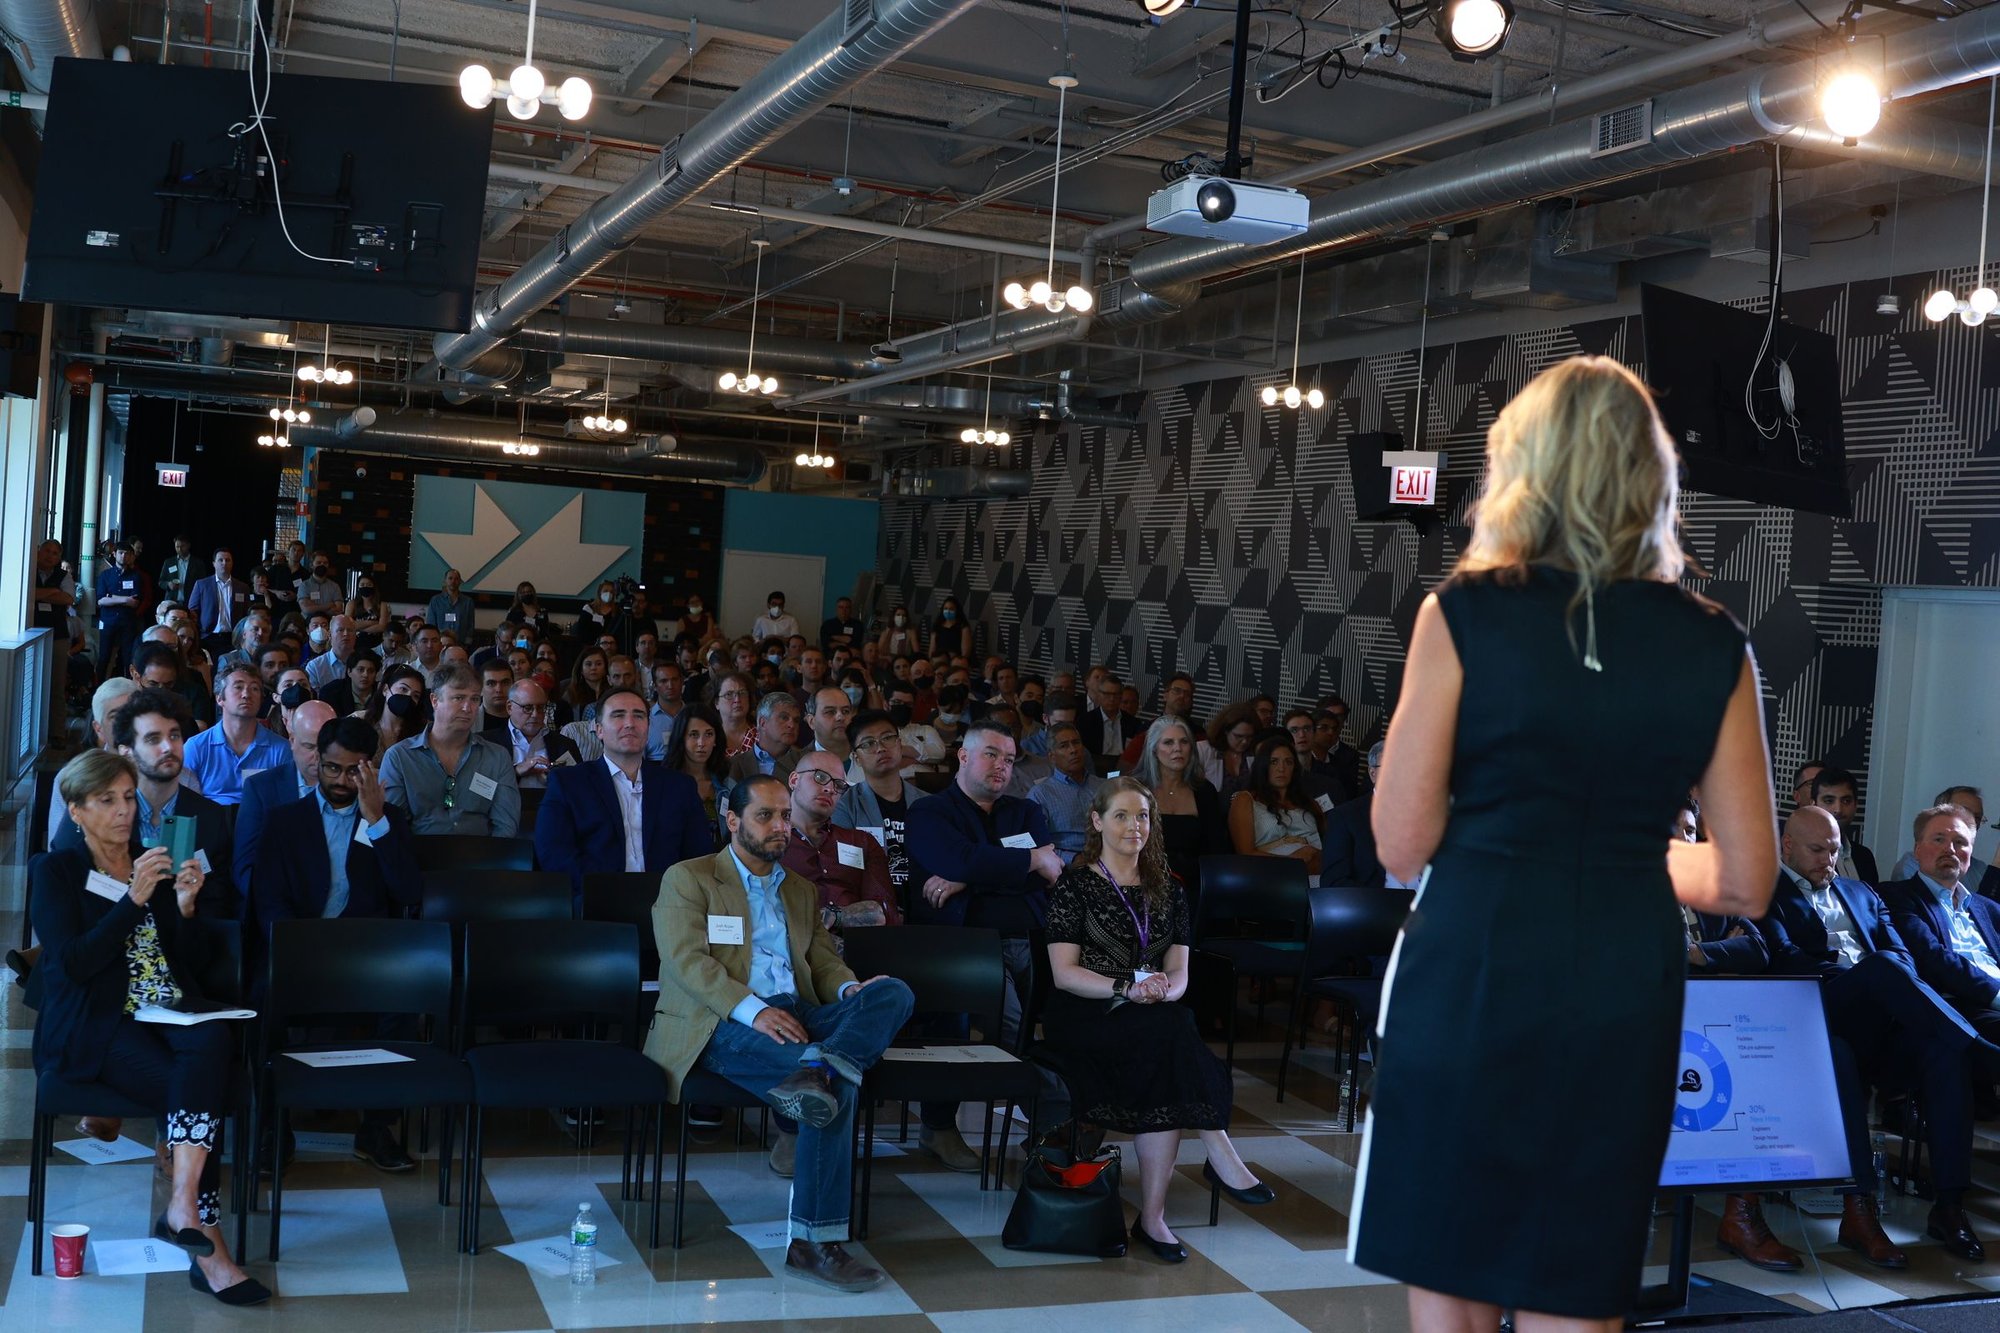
x=1530 y=1024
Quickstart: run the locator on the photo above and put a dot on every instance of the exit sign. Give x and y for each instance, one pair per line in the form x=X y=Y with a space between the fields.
x=171 y=474
x=1413 y=486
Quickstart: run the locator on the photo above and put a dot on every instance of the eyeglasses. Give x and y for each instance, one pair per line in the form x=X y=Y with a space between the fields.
x=826 y=779
x=872 y=744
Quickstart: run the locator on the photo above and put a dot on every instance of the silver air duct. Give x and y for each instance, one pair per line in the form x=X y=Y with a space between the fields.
x=37 y=32
x=685 y=343
x=455 y=439
x=856 y=40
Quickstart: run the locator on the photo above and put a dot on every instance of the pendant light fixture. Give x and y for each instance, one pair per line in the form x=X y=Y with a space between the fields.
x=526 y=89
x=985 y=434
x=815 y=458
x=1291 y=395
x=326 y=372
x=1043 y=290
x=288 y=415
x=605 y=423
x=750 y=381
x=1983 y=300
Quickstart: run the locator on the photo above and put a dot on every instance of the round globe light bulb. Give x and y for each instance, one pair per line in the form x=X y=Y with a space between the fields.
x=277 y=414
x=1477 y=25
x=1270 y=395
x=1292 y=395
x=770 y=385
x=726 y=380
x=1079 y=299
x=968 y=436
x=1850 y=103
x=475 y=85
x=1985 y=300
x=1940 y=305
x=1002 y=438
x=800 y=460
x=283 y=441
x=305 y=417
x=526 y=83
x=827 y=461
x=523 y=108
x=1015 y=295
x=618 y=425
x=573 y=98
x=1971 y=318
x=310 y=374
x=1039 y=293
x=1315 y=399
x=753 y=381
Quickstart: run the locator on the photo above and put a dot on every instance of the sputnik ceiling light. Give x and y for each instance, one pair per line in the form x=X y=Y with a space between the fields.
x=526 y=89
x=750 y=381
x=326 y=372
x=605 y=423
x=1291 y=395
x=1043 y=290
x=815 y=458
x=1983 y=300
x=984 y=433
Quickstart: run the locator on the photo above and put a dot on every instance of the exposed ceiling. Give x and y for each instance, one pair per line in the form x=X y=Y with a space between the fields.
x=956 y=136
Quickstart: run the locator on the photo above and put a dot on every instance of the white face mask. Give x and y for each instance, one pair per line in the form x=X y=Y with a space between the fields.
x=318 y=637
x=902 y=619
x=777 y=611
x=694 y=608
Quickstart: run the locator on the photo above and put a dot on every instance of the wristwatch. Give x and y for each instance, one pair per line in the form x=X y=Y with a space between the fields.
x=1119 y=986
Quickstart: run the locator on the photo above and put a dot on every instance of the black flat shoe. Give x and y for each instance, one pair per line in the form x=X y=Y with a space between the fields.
x=247 y=1292
x=1255 y=1196
x=194 y=1242
x=1173 y=1253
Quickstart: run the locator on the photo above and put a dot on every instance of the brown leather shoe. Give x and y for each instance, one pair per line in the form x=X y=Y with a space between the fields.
x=1861 y=1229
x=831 y=1266
x=1744 y=1234
x=102 y=1128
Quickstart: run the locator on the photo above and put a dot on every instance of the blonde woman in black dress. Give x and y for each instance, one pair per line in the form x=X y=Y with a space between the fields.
x=1563 y=693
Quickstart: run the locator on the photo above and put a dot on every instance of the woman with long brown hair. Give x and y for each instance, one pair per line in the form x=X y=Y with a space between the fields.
x=1135 y=1062
x=732 y=693
x=1563 y=694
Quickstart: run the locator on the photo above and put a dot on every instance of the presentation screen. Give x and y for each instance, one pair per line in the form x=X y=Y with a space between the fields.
x=1756 y=1104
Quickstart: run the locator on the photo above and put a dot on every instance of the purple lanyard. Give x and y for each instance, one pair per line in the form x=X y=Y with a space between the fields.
x=1143 y=925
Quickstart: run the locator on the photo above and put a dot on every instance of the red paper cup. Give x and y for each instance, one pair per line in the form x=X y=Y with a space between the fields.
x=69 y=1241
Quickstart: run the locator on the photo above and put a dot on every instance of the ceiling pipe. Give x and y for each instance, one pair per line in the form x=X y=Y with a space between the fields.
x=445 y=438
x=572 y=336
x=38 y=32
x=1688 y=123
x=956 y=240
x=1769 y=29
x=961 y=347
x=853 y=42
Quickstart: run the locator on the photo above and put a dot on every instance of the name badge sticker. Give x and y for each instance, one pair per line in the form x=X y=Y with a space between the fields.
x=1325 y=801
x=1019 y=841
x=725 y=930
x=484 y=786
x=852 y=856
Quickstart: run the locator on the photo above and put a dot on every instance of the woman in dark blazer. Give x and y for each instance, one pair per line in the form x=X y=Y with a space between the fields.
x=110 y=919
x=1193 y=821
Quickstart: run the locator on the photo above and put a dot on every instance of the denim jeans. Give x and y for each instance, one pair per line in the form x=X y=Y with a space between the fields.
x=850 y=1036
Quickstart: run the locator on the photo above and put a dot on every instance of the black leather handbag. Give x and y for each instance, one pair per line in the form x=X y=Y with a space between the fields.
x=1068 y=1207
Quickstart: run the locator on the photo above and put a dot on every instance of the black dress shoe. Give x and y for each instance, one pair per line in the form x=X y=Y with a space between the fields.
x=1253 y=1197
x=247 y=1292
x=189 y=1239
x=1950 y=1227
x=1171 y=1252
x=807 y=1096
x=380 y=1150
x=704 y=1117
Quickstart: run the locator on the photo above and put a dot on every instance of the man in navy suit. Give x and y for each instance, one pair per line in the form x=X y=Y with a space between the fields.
x=1953 y=933
x=216 y=602
x=1903 y=1033
x=343 y=851
x=264 y=792
x=624 y=812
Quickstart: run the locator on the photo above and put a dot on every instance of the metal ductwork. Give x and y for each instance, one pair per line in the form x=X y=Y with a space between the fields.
x=457 y=439
x=856 y=40
x=685 y=343
x=961 y=346
x=1686 y=124
x=958 y=483
x=964 y=402
x=38 y=32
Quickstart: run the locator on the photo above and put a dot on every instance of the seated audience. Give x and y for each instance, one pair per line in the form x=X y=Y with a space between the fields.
x=812 y=676
x=771 y=751
x=1317 y=790
x=537 y=750
x=110 y=923
x=775 y=1012
x=623 y=812
x=1188 y=810
x=1134 y=1060
x=733 y=695
x=356 y=689
x=1982 y=878
x=238 y=745
x=828 y=711
x=586 y=683
x=879 y=804
x=1717 y=945
x=1952 y=932
x=343 y=851
x=1225 y=758
x=1066 y=794
x=452 y=611
x=1837 y=791
x=343 y=641
x=274 y=787
x=1105 y=728
x=923 y=749
x=850 y=868
x=694 y=749
x=394 y=650
x=252 y=632
x=449 y=779
x=400 y=709
x=1348 y=849
x=668 y=699
x=1268 y=817
x=496 y=682
x=1332 y=757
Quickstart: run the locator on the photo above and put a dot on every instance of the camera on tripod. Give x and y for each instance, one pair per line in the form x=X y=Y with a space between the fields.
x=627 y=588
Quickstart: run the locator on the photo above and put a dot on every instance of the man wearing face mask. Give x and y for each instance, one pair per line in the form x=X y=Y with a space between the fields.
x=923 y=700
x=921 y=747
x=343 y=638
x=293 y=690
x=319 y=591
x=777 y=623
x=696 y=623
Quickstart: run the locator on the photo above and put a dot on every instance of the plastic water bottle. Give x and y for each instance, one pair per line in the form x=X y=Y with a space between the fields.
x=1880 y=1149
x=583 y=1247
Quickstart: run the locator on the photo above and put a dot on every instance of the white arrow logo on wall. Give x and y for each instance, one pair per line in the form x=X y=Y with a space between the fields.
x=556 y=559
x=469 y=552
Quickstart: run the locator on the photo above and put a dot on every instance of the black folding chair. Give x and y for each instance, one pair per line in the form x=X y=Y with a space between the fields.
x=339 y=971
x=221 y=980
x=579 y=973
x=459 y=896
x=952 y=970
x=1350 y=928
x=472 y=851
x=1253 y=916
x=701 y=1087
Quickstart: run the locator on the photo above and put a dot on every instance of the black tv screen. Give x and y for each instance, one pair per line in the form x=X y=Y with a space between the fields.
x=154 y=194
x=1699 y=358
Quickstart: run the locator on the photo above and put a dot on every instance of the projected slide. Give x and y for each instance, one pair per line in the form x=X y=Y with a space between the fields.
x=1755 y=1101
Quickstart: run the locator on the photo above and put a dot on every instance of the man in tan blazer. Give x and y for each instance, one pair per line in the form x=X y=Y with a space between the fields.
x=752 y=989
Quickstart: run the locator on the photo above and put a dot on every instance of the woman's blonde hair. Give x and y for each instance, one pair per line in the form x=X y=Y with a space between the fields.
x=1580 y=474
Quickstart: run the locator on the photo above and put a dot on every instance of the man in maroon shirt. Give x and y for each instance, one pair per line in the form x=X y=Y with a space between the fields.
x=849 y=867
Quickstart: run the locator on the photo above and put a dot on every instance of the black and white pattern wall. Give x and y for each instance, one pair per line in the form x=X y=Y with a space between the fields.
x=1218 y=536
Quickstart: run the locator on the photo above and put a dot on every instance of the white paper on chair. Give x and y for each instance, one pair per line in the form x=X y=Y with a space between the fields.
x=549 y=1256
x=99 y=1153
x=116 y=1258
x=949 y=1055
x=765 y=1235
x=342 y=1059
x=334 y=1143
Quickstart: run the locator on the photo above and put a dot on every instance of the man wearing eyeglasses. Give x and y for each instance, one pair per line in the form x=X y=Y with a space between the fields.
x=849 y=867
x=622 y=812
x=536 y=749
x=449 y=780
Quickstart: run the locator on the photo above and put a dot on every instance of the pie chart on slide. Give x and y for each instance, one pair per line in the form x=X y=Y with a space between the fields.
x=1704 y=1095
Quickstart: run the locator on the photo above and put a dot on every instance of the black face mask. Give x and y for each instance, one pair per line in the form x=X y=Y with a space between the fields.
x=402 y=705
x=295 y=695
x=1032 y=710
x=899 y=714
x=365 y=590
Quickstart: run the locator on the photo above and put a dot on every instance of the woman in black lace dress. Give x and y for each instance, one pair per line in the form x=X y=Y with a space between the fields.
x=1133 y=1058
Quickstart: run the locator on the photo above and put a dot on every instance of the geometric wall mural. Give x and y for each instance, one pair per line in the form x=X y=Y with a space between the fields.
x=1218 y=537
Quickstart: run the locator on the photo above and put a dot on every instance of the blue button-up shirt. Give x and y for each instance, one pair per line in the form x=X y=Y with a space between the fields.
x=325 y=669
x=770 y=944
x=222 y=770
x=1067 y=803
x=659 y=726
x=1966 y=940
x=150 y=819
x=339 y=825
x=767 y=764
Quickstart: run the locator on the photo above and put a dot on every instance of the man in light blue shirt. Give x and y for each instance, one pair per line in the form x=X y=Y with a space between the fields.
x=1066 y=794
x=1952 y=933
x=238 y=746
x=343 y=637
x=451 y=610
x=1980 y=877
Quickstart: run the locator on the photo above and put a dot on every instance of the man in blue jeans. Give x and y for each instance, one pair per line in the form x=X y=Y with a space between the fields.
x=751 y=988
